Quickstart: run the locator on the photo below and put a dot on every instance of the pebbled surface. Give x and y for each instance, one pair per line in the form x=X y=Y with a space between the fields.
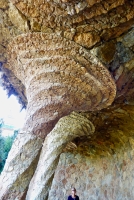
x=60 y=77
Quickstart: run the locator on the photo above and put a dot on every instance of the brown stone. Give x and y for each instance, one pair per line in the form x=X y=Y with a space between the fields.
x=107 y=51
x=17 y=18
x=3 y=4
x=65 y=70
x=49 y=74
x=87 y=40
x=117 y=31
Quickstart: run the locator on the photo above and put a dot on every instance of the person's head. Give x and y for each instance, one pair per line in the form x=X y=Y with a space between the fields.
x=73 y=191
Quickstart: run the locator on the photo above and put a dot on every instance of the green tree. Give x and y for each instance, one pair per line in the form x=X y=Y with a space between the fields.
x=1 y=147
x=5 y=146
x=8 y=141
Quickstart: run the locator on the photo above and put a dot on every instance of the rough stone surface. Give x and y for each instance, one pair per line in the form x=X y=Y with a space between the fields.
x=87 y=39
x=60 y=77
x=17 y=18
x=101 y=167
x=59 y=54
x=67 y=129
x=76 y=20
x=95 y=179
x=20 y=166
x=3 y=4
x=62 y=15
x=7 y=31
x=118 y=57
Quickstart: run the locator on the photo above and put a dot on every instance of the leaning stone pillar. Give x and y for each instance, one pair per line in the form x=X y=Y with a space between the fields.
x=20 y=166
x=68 y=128
x=60 y=76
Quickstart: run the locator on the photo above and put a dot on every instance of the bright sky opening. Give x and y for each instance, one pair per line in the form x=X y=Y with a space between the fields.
x=10 y=110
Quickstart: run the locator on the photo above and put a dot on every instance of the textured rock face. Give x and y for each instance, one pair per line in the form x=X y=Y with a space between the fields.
x=24 y=156
x=9 y=28
x=61 y=56
x=20 y=166
x=102 y=18
x=60 y=77
x=66 y=130
x=101 y=167
x=118 y=56
x=97 y=179
x=89 y=23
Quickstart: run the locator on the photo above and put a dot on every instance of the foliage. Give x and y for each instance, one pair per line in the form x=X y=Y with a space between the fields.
x=2 y=156
x=5 y=146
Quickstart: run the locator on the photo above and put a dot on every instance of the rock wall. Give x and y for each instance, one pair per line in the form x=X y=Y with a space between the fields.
x=12 y=23
x=95 y=178
x=100 y=167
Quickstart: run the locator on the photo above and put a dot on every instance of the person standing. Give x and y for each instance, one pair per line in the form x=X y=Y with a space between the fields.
x=73 y=195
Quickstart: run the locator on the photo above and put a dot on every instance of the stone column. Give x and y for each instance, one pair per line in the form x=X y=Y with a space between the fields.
x=68 y=128
x=20 y=166
x=60 y=76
